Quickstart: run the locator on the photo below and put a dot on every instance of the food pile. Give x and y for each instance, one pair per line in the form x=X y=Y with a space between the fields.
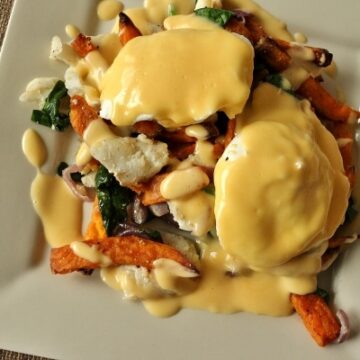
x=212 y=157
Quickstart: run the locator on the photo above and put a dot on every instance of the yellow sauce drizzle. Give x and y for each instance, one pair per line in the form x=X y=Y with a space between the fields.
x=34 y=148
x=109 y=9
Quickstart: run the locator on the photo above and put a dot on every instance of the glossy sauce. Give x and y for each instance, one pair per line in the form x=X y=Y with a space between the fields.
x=34 y=148
x=276 y=271
x=72 y=31
x=109 y=9
x=183 y=182
x=90 y=253
x=196 y=212
x=240 y=277
x=297 y=163
x=273 y=26
x=220 y=292
x=158 y=10
x=60 y=212
x=222 y=80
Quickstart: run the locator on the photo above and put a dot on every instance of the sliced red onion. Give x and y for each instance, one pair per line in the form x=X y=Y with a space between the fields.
x=125 y=229
x=159 y=209
x=345 y=326
x=79 y=190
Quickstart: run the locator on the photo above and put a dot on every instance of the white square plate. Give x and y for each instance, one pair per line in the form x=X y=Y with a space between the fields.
x=73 y=317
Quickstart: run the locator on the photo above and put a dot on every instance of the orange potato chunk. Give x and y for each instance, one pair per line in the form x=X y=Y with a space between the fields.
x=83 y=45
x=318 y=318
x=122 y=250
x=81 y=114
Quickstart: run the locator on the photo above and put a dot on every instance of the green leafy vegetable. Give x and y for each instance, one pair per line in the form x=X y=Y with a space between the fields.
x=113 y=199
x=280 y=82
x=171 y=10
x=323 y=294
x=218 y=16
x=210 y=189
x=55 y=113
x=351 y=211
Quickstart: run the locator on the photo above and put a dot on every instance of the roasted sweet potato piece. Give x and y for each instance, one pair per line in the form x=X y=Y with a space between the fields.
x=149 y=128
x=325 y=103
x=218 y=150
x=181 y=151
x=321 y=57
x=82 y=45
x=95 y=229
x=266 y=47
x=81 y=114
x=230 y=132
x=177 y=136
x=318 y=318
x=150 y=191
x=121 y=250
x=344 y=133
x=237 y=26
x=128 y=30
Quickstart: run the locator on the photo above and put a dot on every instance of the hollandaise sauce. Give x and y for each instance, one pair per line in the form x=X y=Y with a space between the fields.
x=277 y=193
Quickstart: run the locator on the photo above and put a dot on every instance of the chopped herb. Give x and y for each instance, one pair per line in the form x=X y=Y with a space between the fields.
x=351 y=211
x=62 y=166
x=171 y=10
x=218 y=16
x=323 y=294
x=113 y=199
x=280 y=82
x=55 y=113
x=210 y=189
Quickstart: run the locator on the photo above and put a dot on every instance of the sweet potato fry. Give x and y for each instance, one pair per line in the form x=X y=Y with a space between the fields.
x=321 y=57
x=150 y=191
x=338 y=241
x=317 y=317
x=230 y=132
x=325 y=103
x=95 y=229
x=178 y=136
x=218 y=150
x=266 y=47
x=235 y=25
x=149 y=128
x=121 y=250
x=81 y=114
x=82 y=45
x=181 y=151
x=128 y=30
x=344 y=133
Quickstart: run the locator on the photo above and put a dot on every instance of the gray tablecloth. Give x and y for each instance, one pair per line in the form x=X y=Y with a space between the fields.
x=5 y=10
